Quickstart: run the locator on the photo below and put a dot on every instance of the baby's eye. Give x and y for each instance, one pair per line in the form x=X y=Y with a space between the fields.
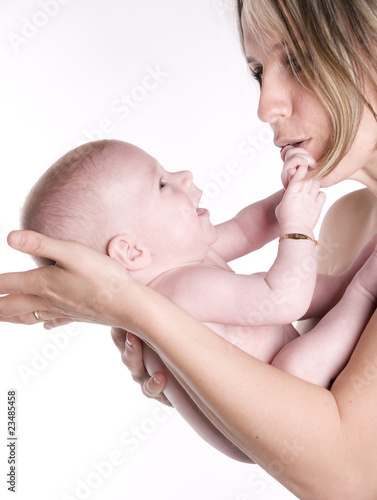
x=162 y=184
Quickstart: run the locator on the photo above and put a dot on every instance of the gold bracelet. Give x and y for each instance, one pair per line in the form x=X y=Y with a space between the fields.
x=298 y=236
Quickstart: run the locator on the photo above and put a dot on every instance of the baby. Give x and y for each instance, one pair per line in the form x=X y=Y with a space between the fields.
x=116 y=198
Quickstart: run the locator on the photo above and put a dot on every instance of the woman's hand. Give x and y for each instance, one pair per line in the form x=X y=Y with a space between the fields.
x=131 y=350
x=84 y=285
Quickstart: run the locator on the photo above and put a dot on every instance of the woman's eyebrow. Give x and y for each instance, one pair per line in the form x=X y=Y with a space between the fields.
x=250 y=59
x=276 y=47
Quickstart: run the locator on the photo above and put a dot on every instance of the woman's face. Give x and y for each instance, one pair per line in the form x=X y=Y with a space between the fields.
x=296 y=114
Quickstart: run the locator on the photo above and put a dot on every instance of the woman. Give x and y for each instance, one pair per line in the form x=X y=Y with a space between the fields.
x=316 y=64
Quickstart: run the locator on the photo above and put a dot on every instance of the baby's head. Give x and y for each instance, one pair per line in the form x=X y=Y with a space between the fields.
x=117 y=199
x=69 y=201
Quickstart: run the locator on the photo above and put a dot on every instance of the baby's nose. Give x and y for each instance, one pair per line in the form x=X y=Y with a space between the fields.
x=186 y=178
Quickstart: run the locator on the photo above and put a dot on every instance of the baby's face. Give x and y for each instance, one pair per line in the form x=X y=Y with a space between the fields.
x=164 y=210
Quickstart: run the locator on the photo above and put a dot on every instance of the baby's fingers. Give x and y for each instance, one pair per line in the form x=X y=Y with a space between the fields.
x=298 y=180
x=286 y=176
x=293 y=159
x=321 y=198
x=291 y=154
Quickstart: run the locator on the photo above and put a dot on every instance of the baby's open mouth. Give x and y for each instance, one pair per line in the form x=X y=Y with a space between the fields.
x=201 y=211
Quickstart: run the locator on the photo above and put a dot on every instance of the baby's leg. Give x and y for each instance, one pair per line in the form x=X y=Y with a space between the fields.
x=322 y=353
x=182 y=402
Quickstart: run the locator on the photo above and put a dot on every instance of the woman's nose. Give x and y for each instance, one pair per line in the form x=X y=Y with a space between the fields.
x=275 y=100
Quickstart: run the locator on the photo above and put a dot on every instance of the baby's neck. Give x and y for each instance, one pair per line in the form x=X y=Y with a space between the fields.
x=215 y=260
x=212 y=259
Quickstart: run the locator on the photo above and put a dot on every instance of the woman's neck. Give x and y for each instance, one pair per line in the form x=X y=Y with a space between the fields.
x=368 y=177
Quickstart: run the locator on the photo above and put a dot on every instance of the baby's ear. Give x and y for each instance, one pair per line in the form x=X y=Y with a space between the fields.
x=129 y=252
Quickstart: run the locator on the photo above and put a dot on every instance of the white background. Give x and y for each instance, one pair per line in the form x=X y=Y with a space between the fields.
x=66 y=67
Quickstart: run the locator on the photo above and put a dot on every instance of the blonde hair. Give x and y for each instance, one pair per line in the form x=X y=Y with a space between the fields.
x=334 y=42
x=66 y=202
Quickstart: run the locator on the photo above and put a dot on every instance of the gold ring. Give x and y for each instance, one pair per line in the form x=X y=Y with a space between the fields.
x=38 y=317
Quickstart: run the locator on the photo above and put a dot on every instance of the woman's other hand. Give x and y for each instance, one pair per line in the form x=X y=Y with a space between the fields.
x=131 y=351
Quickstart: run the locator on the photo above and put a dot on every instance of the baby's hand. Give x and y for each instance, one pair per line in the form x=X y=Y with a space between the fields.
x=294 y=158
x=302 y=202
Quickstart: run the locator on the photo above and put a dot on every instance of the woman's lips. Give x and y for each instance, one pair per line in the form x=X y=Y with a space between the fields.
x=299 y=144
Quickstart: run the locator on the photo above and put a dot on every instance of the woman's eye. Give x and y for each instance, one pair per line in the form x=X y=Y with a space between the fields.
x=293 y=63
x=162 y=184
x=257 y=74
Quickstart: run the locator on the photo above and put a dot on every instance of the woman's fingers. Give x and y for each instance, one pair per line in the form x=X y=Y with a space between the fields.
x=85 y=284
x=56 y=322
x=18 y=305
x=131 y=349
x=49 y=320
x=21 y=319
x=19 y=281
x=119 y=338
x=37 y=244
x=153 y=388
x=132 y=357
x=12 y=305
x=32 y=243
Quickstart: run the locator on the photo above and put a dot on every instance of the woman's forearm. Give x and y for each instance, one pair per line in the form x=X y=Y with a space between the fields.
x=181 y=401
x=293 y=429
x=319 y=444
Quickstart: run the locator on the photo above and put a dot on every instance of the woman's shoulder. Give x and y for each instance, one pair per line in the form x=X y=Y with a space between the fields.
x=347 y=226
x=351 y=205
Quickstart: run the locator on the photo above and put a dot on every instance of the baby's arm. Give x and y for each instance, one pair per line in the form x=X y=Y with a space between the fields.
x=256 y=225
x=295 y=269
x=252 y=228
x=282 y=295
x=319 y=355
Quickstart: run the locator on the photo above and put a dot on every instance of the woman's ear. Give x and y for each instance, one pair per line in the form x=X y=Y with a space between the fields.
x=126 y=250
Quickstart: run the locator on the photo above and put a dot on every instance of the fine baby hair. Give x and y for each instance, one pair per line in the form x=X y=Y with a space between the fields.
x=71 y=200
